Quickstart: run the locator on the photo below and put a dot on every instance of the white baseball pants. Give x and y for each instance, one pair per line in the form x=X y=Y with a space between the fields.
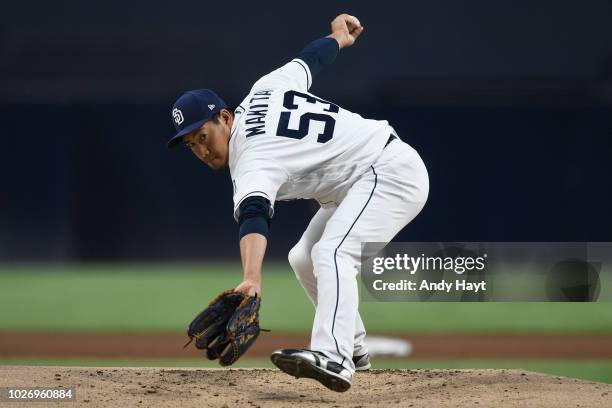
x=327 y=258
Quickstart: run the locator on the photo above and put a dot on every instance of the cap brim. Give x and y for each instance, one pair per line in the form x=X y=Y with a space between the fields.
x=178 y=138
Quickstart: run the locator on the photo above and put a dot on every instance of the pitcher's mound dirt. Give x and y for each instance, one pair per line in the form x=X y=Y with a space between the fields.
x=163 y=387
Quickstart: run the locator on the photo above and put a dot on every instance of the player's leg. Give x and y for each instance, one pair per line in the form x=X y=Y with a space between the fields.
x=299 y=256
x=301 y=263
x=375 y=209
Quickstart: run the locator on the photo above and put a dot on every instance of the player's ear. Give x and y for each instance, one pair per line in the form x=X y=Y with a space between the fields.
x=226 y=116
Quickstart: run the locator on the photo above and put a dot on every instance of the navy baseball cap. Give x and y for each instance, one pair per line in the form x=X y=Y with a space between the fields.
x=192 y=110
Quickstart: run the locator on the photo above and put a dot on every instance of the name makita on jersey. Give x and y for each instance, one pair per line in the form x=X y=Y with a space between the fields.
x=287 y=143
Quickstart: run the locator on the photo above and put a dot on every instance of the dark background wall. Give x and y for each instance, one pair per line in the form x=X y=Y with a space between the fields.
x=509 y=103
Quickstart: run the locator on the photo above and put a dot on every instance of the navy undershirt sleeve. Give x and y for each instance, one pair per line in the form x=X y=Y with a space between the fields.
x=254 y=216
x=319 y=52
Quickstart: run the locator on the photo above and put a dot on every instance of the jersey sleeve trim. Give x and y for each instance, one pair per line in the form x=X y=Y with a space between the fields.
x=251 y=194
x=306 y=70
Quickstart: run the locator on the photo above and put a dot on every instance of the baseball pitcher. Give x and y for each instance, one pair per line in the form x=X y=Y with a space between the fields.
x=284 y=143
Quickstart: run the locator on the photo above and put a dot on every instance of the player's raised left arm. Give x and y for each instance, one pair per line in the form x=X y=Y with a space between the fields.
x=344 y=32
x=299 y=72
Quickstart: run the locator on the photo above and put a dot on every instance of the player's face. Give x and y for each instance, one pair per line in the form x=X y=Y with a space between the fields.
x=210 y=143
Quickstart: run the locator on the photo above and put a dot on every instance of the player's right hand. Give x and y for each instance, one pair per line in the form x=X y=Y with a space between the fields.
x=249 y=288
x=345 y=29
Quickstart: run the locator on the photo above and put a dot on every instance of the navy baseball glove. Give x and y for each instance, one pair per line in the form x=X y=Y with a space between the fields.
x=227 y=327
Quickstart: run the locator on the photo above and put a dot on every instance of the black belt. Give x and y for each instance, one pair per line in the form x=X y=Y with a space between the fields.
x=391 y=138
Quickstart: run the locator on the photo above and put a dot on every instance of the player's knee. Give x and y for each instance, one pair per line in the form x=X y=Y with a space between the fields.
x=299 y=259
x=423 y=183
x=417 y=191
x=424 y=188
x=420 y=197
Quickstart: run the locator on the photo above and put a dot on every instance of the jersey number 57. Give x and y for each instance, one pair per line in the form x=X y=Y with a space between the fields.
x=289 y=103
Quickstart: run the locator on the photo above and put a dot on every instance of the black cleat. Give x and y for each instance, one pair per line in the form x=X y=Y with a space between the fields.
x=313 y=364
x=362 y=362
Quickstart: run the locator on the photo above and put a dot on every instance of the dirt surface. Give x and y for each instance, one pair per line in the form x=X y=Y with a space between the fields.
x=151 y=345
x=152 y=387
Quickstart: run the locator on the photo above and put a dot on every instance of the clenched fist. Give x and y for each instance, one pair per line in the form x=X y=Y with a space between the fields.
x=345 y=29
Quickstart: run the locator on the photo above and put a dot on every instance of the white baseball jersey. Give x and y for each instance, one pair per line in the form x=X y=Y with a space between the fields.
x=287 y=144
